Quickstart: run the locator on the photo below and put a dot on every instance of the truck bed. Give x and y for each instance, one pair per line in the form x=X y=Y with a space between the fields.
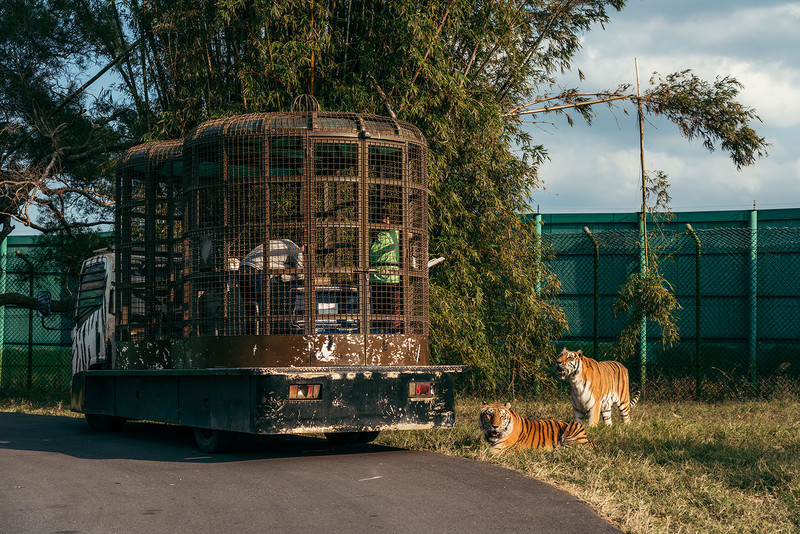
x=257 y=400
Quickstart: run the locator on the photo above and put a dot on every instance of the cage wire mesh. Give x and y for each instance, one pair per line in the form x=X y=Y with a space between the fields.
x=148 y=238
x=278 y=224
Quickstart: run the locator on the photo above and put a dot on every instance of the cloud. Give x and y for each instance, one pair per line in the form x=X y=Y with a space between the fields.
x=596 y=168
x=757 y=46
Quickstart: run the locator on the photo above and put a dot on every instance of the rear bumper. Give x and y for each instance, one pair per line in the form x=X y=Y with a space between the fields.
x=256 y=400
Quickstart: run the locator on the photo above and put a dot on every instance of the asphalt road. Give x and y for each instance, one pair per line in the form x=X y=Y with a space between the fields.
x=57 y=475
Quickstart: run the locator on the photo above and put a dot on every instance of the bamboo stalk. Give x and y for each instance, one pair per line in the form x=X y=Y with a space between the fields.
x=474 y=53
x=313 y=46
x=538 y=40
x=347 y=35
x=497 y=44
x=556 y=97
x=641 y=158
x=430 y=45
x=569 y=106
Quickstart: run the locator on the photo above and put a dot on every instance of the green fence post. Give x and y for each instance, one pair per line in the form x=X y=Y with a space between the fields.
x=698 y=339
x=3 y=250
x=31 y=270
x=753 y=294
x=596 y=289
x=537 y=230
x=643 y=271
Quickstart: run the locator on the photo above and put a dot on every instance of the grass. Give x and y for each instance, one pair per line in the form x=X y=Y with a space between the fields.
x=678 y=467
x=35 y=402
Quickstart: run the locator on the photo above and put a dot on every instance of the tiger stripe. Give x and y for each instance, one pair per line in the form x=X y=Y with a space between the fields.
x=595 y=387
x=506 y=430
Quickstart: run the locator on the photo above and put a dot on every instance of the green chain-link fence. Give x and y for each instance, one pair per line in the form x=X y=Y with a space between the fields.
x=33 y=354
x=745 y=339
x=736 y=276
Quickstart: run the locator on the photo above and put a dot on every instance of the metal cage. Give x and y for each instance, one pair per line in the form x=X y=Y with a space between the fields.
x=149 y=224
x=303 y=243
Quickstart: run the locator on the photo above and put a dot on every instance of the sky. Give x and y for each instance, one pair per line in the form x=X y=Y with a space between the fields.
x=596 y=169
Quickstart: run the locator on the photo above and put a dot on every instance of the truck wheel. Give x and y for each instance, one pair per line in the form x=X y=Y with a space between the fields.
x=367 y=437
x=349 y=438
x=214 y=441
x=104 y=423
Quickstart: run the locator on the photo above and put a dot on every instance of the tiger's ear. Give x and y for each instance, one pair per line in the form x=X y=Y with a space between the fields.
x=508 y=406
x=484 y=403
x=579 y=354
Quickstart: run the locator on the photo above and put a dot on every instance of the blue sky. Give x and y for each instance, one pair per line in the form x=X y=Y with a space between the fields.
x=596 y=168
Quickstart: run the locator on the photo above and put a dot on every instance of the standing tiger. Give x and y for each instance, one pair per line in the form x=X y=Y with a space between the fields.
x=504 y=429
x=594 y=387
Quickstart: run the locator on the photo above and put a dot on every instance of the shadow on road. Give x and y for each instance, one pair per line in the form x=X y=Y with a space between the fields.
x=153 y=442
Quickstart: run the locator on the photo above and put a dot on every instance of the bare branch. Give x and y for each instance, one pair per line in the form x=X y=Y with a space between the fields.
x=570 y=105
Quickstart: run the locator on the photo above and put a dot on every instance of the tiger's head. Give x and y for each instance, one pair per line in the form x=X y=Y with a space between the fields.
x=497 y=423
x=569 y=363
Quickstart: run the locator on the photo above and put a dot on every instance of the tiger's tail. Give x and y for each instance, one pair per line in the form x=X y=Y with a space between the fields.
x=625 y=409
x=635 y=396
x=575 y=434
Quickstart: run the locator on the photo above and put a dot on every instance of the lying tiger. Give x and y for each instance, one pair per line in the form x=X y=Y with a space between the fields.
x=594 y=387
x=504 y=429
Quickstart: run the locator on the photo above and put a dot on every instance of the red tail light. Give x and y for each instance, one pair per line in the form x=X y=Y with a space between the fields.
x=422 y=389
x=304 y=391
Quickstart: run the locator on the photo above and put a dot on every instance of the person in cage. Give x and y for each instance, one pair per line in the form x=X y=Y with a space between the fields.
x=386 y=292
x=283 y=254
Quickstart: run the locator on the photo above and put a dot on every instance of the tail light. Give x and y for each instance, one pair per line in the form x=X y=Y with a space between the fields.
x=304 y=391
x=422 y=389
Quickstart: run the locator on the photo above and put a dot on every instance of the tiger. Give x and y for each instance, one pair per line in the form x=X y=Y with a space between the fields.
x=594 y=387
x=505 y=430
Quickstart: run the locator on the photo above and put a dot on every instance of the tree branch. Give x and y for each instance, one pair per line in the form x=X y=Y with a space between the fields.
x=29 y=303
x=570 y=105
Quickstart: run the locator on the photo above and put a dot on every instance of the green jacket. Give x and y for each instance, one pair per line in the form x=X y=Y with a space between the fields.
x=384 y=253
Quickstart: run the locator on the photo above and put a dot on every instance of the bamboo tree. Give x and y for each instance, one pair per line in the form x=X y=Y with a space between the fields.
x=461 y=70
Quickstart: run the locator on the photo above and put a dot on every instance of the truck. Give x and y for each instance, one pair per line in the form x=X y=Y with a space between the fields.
x=269 y=275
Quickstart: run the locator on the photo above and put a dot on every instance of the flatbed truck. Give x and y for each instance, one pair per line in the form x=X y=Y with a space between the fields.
x=247 y=291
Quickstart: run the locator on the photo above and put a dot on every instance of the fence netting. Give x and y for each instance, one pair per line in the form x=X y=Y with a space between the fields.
x=739 y=316
x=35 y=353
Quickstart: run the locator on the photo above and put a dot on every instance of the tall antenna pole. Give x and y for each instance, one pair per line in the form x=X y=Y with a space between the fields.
x=641 y=158
x=643 y=242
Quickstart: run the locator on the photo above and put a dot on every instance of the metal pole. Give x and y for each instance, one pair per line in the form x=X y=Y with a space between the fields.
x=698 y=340
x=30 y=318
x=538 y=233
x=596 y=289
x=538 y=252
x=3 y=250
x=643 y=271
x=642 y=227
x=753 y=296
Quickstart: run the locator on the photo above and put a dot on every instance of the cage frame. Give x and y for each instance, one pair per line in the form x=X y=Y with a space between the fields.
x=382 y=146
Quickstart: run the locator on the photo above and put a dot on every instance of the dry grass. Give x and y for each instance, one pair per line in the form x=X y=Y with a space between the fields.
x=25 y=401
x=688 y=467
x=678 y=467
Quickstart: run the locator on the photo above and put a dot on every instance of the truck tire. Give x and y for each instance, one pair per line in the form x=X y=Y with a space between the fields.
x=214 y=441
x=104 y=423
x=350 y=438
